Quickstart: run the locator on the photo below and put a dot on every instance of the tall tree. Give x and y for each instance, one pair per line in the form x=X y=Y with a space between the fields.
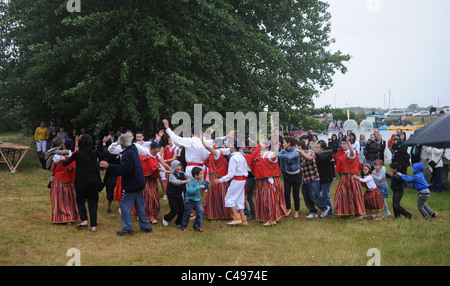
x=138 y=61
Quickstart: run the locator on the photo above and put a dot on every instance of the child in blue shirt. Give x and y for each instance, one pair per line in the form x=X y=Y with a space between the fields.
x=192 y=199
x=421 y=185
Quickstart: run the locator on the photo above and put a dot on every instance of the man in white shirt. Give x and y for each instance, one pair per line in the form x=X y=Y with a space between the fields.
x=195 y=152
x=235 y=197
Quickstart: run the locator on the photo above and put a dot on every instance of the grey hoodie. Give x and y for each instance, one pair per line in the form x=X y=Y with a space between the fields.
x=380 y=177
x=172 y=178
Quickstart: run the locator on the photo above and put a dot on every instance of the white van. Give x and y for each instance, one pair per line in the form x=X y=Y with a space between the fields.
x=395 y=113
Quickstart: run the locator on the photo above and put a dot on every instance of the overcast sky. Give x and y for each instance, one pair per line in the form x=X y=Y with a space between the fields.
x=400 y=45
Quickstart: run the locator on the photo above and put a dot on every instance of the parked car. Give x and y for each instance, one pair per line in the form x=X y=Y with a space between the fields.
x=395 y=113
x=447 y=111
x=423 y=113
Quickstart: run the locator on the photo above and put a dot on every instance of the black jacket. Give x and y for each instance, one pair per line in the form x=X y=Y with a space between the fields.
x=372 y=151
x=396 y=182
x=130 y=169
x=325 y=165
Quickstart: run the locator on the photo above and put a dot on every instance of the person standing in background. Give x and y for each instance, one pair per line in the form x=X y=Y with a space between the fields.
x=41 y=135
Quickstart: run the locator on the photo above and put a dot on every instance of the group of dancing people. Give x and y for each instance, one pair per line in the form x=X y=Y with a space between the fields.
x=229 y=174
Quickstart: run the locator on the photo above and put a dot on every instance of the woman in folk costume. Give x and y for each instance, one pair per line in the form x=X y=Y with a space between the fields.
x=217 y=165
x=373 y=199
x=151 y=168
x=62 y=188
x=348 y=199
x=270 y=204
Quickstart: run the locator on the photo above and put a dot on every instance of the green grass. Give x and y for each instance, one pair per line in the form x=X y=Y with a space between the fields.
x=28 y=238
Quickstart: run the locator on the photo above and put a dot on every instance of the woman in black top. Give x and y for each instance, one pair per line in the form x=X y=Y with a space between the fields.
x=88 y=182
x=401 y=154
x=372 y=150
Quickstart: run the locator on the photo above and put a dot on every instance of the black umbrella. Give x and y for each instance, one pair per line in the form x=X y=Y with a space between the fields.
x=435 y=134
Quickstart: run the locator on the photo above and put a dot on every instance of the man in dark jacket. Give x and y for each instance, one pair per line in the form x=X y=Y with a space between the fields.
x=133 y=183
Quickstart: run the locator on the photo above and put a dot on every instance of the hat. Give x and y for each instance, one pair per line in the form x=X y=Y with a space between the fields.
x=367 y=165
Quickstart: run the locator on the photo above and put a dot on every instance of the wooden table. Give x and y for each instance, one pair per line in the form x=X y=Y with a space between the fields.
x=8 y=150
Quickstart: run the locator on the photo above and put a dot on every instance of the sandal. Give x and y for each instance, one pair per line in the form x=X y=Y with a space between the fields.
x=82 y=225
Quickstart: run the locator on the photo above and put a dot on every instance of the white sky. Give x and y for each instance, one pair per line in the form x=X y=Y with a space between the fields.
x=404 y=48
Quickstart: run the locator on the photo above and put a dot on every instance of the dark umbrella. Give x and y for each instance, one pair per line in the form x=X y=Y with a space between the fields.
x=434 y=134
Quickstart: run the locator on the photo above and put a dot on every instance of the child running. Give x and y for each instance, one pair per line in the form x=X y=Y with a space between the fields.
x=397 y=188
x=192 y=199
x=373 y=200
x=176 y=188
x=421 y=185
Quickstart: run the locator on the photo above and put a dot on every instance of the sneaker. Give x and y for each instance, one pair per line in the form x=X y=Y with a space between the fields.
x=269 y=223
x=108 y=211
x=325 y=212
x=125 y=232
x=434 y=215
x=312 y=215
x=182 y=228
x=164 y=222
x=235 y=222
x=198 y=229
x=148 y=230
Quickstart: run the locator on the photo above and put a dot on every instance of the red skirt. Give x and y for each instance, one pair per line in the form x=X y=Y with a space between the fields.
x=118 y=189
x=214 y=207
x=373 y=200
x=151 y=199
x=348 y=199
x=64 y=203
x=270 y=204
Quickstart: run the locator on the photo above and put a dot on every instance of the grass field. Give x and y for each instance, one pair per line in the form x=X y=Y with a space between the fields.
x=27 y=238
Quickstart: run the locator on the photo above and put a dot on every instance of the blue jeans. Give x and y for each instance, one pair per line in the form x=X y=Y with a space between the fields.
x=311 y=195
x=325 y=195
x=190 y=205
x=126 y=204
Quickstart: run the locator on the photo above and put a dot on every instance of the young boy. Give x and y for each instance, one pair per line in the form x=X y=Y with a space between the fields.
x=397 y=188
x=421 y=185
x=192 y=199
x=176 y=187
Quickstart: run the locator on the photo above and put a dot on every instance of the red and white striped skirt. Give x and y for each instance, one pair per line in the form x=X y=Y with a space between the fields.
x=270 y=204
x=373 y=200
x=64 y=203
x=214 y=207
x=348 y=199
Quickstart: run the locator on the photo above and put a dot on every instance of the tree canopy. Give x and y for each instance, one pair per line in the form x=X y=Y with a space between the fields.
x=138 y=61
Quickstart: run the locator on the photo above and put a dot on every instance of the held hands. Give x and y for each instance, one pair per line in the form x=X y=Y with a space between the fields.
x=216 y=181
x=104 y=164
